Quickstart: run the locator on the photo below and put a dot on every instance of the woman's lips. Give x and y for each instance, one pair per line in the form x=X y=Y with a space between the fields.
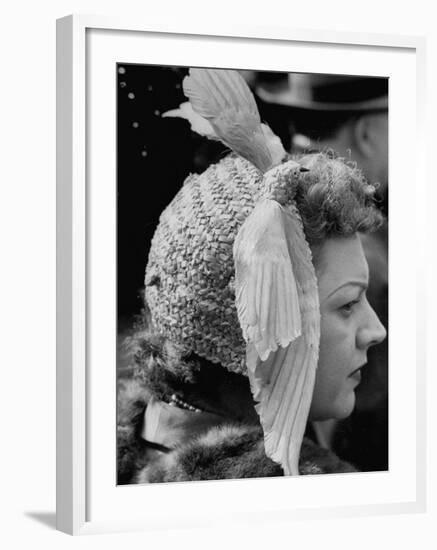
x=356 y=374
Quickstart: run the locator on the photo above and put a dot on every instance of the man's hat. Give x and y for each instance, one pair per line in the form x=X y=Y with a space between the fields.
x=326 y=92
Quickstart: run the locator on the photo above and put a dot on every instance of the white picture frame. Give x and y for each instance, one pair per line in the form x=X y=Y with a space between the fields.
x=81 y=485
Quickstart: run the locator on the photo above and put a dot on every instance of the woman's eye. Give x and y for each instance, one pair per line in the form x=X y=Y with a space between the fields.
x=347 y=309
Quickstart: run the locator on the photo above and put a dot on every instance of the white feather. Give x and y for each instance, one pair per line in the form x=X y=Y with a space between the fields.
x=198 y=124
x=266 y=293
x=273 y=267
x=225 y=100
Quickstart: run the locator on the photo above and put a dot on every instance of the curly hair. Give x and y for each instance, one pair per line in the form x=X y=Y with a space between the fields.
x=334 y=199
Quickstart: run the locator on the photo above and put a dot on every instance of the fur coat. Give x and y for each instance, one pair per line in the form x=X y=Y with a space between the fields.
x=229 y=451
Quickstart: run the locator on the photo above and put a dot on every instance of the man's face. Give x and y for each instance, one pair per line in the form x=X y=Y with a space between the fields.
x=378 y=166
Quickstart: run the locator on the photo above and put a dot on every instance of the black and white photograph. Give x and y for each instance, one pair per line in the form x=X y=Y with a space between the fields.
x=252 y=274
x=218 y=275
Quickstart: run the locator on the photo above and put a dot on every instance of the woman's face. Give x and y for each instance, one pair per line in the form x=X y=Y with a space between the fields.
x=348 y=327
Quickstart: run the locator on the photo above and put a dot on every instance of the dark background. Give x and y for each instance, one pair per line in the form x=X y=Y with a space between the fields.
x=154 y=156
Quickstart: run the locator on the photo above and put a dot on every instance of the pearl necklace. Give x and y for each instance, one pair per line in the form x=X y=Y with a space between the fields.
x=175 y=401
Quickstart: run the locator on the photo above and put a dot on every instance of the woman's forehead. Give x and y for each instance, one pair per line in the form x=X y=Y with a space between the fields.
x=341 y=261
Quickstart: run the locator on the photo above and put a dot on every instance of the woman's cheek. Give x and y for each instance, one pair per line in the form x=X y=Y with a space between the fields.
x=333 y=398
x=341 y=364
x=324 y=394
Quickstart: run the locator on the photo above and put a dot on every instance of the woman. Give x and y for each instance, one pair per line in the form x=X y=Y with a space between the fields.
x=259 y=321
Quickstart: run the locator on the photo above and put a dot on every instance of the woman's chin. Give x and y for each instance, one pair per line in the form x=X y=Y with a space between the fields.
x=346 y=407
x=340 y=409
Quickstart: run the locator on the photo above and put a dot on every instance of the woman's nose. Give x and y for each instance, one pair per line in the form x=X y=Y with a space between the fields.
x=372 y=331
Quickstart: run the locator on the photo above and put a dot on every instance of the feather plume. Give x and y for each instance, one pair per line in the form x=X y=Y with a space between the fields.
x=266 y=293
x=224 y=99
x=277 y=304
x=198 y=124
x=204 y=128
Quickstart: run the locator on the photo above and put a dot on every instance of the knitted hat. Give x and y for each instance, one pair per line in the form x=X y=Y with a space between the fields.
x=230 y=276
x=190 y=276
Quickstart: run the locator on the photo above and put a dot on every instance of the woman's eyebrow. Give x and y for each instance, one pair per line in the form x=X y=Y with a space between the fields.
x=362 y=284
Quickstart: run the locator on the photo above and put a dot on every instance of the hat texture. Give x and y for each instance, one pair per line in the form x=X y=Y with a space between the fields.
x=190 y=274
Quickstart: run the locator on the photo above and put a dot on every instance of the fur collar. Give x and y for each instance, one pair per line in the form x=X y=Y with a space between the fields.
x=229 y=451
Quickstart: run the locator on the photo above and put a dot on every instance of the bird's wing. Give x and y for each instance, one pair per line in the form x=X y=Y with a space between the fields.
x=277 y=304
x=266 y=293
x=198 y=124
x=225 y=100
